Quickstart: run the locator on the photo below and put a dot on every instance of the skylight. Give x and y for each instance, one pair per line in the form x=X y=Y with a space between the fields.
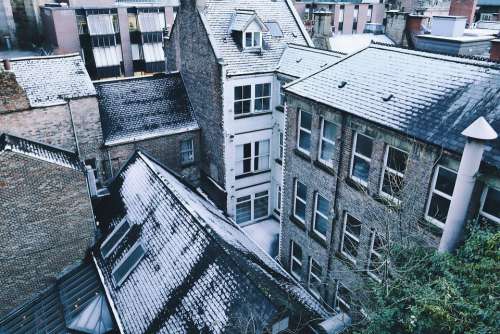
x=128 y=263
x=274 y=28
x=115 y=237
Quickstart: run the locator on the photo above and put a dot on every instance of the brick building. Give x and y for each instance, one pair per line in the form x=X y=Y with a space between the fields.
x=378 y=154
x=152 y=113
x=40 y=236
x=52 y=100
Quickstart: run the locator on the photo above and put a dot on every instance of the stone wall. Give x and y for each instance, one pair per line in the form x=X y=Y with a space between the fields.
x=165 y=149
x=46 y=224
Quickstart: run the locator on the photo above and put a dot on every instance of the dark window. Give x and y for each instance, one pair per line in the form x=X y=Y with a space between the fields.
x=242 y=99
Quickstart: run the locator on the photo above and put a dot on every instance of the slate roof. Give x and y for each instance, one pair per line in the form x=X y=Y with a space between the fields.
x=47 y=80
x=219 y=14
x=40 y=151
x=298 y=60
x=54 y=308
x=434 y=97
x=200 y=273
x=146 y=107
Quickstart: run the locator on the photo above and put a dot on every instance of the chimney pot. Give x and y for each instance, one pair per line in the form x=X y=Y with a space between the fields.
x=6 y=64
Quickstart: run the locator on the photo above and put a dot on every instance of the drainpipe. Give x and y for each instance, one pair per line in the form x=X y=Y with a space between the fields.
x=477 y=134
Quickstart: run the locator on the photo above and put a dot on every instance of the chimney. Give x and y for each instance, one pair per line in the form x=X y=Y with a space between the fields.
x=448 y=26
x=414 y=23
x=201 y=4
x=465 y=8
x=495 y=50
x=6 y=64
x=477 y=134
x=322 y=28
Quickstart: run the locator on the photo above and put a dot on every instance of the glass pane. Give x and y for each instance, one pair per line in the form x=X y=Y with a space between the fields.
x=316 y=268
x=360 y=169
x=247 y=165
x=247 y=150
x=267 y=89
x=297 y=251
x=243 y=199
x=445 y=181
x=262 y=193
x=378 y=243
x=296 y=268
x=492 y=202
x=350 y=246
x=397 y=159
x=259 y=105
x=259 y=90
x=238 y=108
x=247 y=92
x=263 y=162
x=264 y=147
x=266 y=104
x=260 y=207
x=186 y=156
x=301 y=191
x=326 y=151
x=439 y=207
x=353 y=226
x=321 y=225
x=300 y=209
x=323 y=205
x=246 y=107
x=256 y=38
x=132 y=258
x=243 y=212
x=305 y=120
x=364 y=145
x=248 y=39
x=186 y=145
x=392 y=184
x=376 y=265
x=238 y=93
x=329 y=130
x=305 y=141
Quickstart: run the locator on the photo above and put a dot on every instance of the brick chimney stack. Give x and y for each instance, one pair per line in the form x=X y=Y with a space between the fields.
x=465 y=8
x=495 y=50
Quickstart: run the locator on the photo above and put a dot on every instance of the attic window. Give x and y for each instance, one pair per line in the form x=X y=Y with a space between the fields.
x=274 y=28
x=252 y=39
x=115 y=237
x=126 y=265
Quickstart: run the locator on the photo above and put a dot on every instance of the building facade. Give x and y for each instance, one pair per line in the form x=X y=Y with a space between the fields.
x=362 y=175
x=122 y=39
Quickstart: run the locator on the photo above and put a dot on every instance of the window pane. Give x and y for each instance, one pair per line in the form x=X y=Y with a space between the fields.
x=247 y=92
x=259 y=105
x=186 y=145
x=305 y=140
x=256 y=38
x=445 y=181
x=296 y=268
x=301 y=191
x=238 y=108
x=247 y=165
x=260 y=206
x=326 y=151
x=397 y=159
x=364 y=145
x=323 y=205
x=297 y=251
x=350 y=246
x=243 y=211
x=353 y=226
x=321 y=225
x=259 y=90
x=360 y=169
x=492 y=202
x=266 y=104
x=439 y=207
x=300 y=210
x=305 y=120
x=316 y=268
x=392 y=184
x=329 y=130
x=378 y=243
x=238 y=93
x=246 y=107
x=376 y=265
x=262 y=163
x=248 y=39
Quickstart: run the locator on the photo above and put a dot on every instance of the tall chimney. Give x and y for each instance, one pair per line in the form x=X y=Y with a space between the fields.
x=465 y=8
x=6 y=64
x=201 y=4
x=322 y=28
x=477 y=134
x=495 y=50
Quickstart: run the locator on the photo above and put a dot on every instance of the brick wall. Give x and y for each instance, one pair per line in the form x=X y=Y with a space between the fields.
x=345 y=196
x=166 y=150
x=12 y=96
x=46 y=224
x=190 y=52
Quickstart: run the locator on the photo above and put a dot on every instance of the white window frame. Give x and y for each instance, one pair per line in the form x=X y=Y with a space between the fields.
x=295 y=198
x=189 y=151
x=339 y=299
x=297 y=260
x=344 y=233
x=252 y=199
x=281 y=140
x=278 y=198
x=317 y=294
x=253 y=46
x=242 y=100
x=483 y=199
x=356 y=154
x=438 y=192
x=323 y=138
x=377 y=254
x=391 y=171
x=300 y=128
x=269 y=97
x=253 y=157
x=317 y=212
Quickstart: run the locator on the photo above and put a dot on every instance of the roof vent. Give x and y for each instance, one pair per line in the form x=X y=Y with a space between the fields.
x=299 y=60
x=342 y=84
x=388 y=97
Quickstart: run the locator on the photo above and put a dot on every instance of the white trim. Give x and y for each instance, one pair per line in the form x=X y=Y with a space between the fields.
x=483 y=199
x=316 y=211
x=329 y=141
x=295 y=198
x=317 y=294
x=377 y=254
x=297 y=260
x=132 y=267
x=252 y=33
x=439 y=193
x=344 y=233
x=115 y=230
x=391 y=171
x=252 y=198
x=359 y=155
x=309 y=131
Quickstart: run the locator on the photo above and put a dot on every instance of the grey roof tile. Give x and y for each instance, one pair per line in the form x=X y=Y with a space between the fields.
x=219 y=14
x=48 y=80
x=40 y=151
x=201 y=273
x=434 y=97
x=141 y=108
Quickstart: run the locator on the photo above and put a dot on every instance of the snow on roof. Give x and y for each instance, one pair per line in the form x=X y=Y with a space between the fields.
x=352 y=43
x=141 y=108
x=49 y=80
x=200 y=271
x=298 y=60
x=219 y=15
x=39 y=151
x=434 y=97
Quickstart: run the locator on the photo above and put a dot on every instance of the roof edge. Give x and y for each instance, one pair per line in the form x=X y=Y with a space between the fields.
x=68 y=55
x=299 y=22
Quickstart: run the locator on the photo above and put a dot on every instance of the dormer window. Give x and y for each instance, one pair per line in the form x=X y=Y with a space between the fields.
x=253 y=39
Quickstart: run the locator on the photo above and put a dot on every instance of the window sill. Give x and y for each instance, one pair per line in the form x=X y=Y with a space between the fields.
x=279 y=162
x=280 y=108
x=302 y=154
x=386 y=201
x=314 y=235
x=253 y=114
x=242 y=176
x=324 y=167
x=356 y=185
x=298 y=223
